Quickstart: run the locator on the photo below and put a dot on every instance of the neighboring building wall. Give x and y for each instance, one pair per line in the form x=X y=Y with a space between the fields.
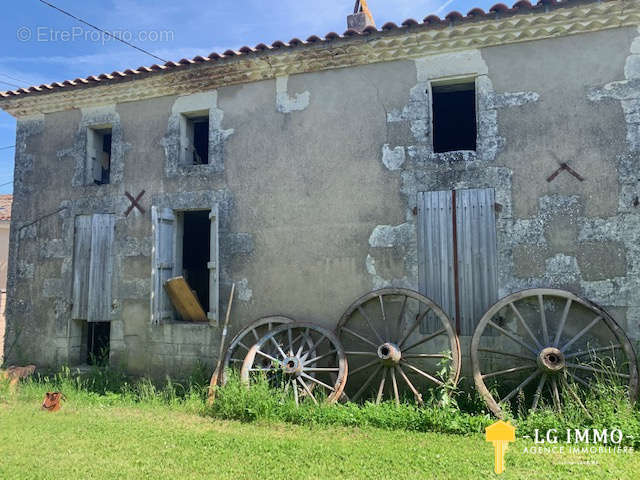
x=5 y=220
x=316 y=180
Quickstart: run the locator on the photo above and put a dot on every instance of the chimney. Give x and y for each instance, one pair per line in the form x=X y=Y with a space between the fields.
x=361 y=17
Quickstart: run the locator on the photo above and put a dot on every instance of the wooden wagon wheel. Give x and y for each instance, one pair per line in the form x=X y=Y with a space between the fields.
x=547 y=338
x=398 y=339
x=306 y=358
x=245 y=339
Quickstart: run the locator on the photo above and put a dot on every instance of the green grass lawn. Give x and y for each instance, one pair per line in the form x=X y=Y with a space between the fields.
x=93 y=441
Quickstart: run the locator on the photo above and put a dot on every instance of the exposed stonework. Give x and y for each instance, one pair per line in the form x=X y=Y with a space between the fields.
x=91 y=117
x=286 y=103
x=424 y=170
x=176 y=141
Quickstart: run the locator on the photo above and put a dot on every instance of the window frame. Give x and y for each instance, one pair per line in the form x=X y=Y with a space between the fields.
x=453 y=80
x=93 y=146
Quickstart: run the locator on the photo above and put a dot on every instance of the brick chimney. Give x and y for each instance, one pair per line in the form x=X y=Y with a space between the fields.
x=361 y=17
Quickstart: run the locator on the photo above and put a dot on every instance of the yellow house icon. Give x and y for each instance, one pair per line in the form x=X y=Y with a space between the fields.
x=500 y=434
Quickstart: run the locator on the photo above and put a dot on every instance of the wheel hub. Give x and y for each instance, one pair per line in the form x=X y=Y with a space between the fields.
x=389 y=354
x=551 y=360
x=292 y=366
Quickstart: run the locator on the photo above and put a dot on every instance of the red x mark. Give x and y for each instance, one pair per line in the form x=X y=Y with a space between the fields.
x=564 y=166
x=134 y=203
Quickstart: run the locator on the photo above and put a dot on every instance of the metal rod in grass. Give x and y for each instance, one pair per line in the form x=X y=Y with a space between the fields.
x=216 y=372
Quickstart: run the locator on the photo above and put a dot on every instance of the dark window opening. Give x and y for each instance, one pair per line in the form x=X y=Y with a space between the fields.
x=196 y=245
x=98 y=337
x=101 y=156
x=200 y=140
x=454 y=117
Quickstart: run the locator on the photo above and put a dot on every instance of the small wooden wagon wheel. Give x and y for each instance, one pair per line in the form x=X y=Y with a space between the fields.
x=245 y=339
x=398 y=339
x=306 y=358
x=545 y=345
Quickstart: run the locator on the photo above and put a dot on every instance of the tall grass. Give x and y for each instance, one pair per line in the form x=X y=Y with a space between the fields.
x=462 y=413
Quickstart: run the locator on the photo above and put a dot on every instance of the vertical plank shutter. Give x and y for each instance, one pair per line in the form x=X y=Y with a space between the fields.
x=100 y=268
x=164 y=227
x=477 y=255
x=212 y=265
x=435 y=244
x=81 y=263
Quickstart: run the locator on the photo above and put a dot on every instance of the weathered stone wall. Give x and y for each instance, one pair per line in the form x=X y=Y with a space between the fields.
x=316 y=177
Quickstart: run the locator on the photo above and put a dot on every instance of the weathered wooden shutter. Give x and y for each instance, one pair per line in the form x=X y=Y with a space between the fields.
x=164 y=227
x=477 y=255
x=100 y=268
x=473 y=244
x=212 y=265
x=435 y=244
x=81 y=264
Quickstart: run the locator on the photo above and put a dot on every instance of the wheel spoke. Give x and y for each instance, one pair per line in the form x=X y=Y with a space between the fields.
x=596 y=370
x=536 y=396
x=510 y=335
x=357 y=335
x=525 y=326
x=384 y=319
x=508 y=354
x=320 y=357
x=401 y=317
x=524 y=383
x=255 y=334
x=592 y=350
x=366 y=384
x=426 y=339
x=424 y=374
x=581 y=333
x=307 y=389
x=578 y=379
x=362 y=354
x=295 y=392
x=305 y=336
x=313 y=379
x=273 y=340
x=394 y=382
x=322 y=369
x=555 y=394
x=575 y=396
x=563 y=320
x=415 y=325
x=266 y=355
x=290 y=337
x=508 y=370
x=543 y=321
x=381 y=387
x=424 y=355
x=364 y=367
x=243 y=346
x=313 y=347
x=408 y=382
x=368 y=320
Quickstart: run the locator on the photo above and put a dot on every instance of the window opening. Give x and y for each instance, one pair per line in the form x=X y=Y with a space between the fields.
x=454 y=117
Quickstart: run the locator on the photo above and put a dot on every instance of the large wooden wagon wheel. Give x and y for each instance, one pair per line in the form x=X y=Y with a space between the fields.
x=302 y=357
x=542 y=346
x=396 y=342
x=245 y=339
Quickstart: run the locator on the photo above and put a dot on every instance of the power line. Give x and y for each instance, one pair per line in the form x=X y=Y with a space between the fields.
x=7 y=183
x=10 y=84
x=103 y=31
x=7 y=148
x=13 y=78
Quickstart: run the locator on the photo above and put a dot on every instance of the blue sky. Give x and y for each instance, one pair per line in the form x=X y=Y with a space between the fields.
x=40 y=45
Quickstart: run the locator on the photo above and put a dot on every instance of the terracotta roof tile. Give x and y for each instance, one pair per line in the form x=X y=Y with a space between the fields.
x=5 y=207
x=431 y=21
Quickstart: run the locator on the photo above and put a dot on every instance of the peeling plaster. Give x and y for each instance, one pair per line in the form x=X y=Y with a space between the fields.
x=175 y=141
x=421 y=169
x=244 y=292
x=97 y=116
x=286 y=103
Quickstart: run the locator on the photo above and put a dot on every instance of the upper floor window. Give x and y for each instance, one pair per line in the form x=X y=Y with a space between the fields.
x=195 y=138
x=99 y=154
x=454 y=116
